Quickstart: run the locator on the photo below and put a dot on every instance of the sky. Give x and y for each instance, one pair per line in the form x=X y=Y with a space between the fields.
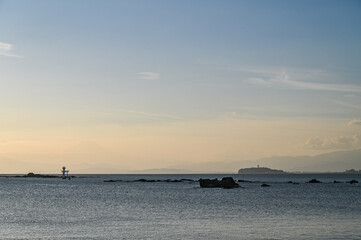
x=116 y=86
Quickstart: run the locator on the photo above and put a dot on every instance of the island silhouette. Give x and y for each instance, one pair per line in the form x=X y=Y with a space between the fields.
x=260 y=170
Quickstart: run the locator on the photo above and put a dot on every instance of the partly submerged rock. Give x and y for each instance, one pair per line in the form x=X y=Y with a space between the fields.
x=153 y=180
x=314 y=181
x=353 y=181
x=226 y=182
x=295 y=183
x=110 y=181
x=33 y=175
x=265 y=185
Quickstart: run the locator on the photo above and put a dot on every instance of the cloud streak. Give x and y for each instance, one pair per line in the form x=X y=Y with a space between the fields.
x=282 y=79
x=148 y=75
x=125 y=116
x=6 y=49
x=153 y=116
x=345 y=104
x=340 y=142
x=354 y=122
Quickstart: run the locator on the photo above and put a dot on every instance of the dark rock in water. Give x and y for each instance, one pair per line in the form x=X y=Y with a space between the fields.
x=141 y=180
x=226 y=182
x=33 y=175
x=114 y=180
x=30 y=174
x=314 y=181
x=209 y=183
x=153 y=180
x=187 y=180
x=334 y=181
x=295 y=183
x=352 y=181
x=265 y=185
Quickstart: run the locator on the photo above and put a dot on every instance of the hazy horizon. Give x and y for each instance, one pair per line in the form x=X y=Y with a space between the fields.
x=133 y=85
x=337 y=161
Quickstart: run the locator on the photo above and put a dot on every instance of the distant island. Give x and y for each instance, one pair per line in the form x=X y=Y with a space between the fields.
x=265 y=170
x=260 y=170
x=353 y=171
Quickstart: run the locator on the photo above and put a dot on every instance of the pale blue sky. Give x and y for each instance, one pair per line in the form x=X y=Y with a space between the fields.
x=75 y=63
x=89 y=53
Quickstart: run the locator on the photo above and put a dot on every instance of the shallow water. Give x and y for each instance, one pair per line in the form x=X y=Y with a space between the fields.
x=89 y=208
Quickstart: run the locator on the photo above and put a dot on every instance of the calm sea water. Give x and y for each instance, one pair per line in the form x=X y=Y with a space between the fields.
x=88 y=208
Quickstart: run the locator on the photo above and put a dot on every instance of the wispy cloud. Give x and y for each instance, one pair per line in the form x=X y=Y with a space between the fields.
x=126 y=116
x=319 y=86
x=265 y=112
x=6 y=49
x=340 y=142
x=153 y=116
x=148 y=75
x=283 y=79
x=354 y=122
x=346 y=104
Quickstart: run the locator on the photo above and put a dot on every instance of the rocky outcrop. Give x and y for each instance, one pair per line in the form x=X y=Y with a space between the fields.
x=314 y=181
x=33 y=175
x=226 y=182
x=153 y=180
x=110 y=181
x=352 y=181
x=295 y=183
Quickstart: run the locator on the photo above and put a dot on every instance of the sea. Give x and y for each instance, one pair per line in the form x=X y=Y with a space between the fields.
x=86 y=207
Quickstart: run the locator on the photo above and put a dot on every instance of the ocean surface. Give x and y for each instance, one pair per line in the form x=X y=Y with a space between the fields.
x=89 y=208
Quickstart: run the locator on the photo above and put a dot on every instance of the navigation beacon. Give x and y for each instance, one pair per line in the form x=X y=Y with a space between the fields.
x=65 y=174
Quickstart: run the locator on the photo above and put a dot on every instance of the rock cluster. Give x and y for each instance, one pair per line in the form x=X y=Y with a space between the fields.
x=314 y=181
x=153 y=180
x=33 y=175
x=352 y=181
x=293 y=182
x=226 y=182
